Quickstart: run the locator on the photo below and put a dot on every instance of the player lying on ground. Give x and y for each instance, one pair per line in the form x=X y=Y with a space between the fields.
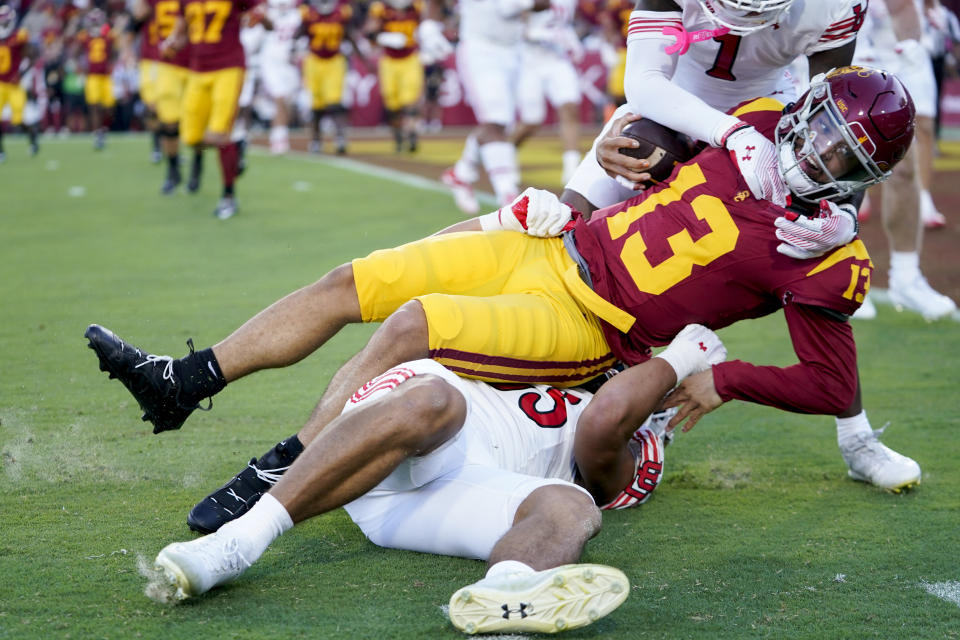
x=506 y=306
x=428 y=461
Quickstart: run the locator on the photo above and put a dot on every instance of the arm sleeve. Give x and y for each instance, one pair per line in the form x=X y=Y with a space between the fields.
x=823 y=382
x=648 y=86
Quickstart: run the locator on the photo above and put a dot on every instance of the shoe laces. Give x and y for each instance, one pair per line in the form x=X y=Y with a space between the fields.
x=869 y=445
x=224 y=557
x=270 y=476
x=167 y=369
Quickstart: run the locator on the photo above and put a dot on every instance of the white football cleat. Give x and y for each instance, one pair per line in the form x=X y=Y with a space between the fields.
x=197 y=566
x=462 y=192
x=565 y=597
x=917 y=295
x=869 y=460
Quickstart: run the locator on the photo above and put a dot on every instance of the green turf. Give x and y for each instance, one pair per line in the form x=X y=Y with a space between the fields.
x=756 y=531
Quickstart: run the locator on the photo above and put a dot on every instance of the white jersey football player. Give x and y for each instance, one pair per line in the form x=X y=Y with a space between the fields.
x=550 y=48
x=489 y=59
x=690 y=61
x=426 y=460
x=890 y=39
x=281 y=77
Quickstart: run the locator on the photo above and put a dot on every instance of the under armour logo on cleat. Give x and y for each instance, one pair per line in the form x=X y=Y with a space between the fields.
x=702 y=346
x=522 y=610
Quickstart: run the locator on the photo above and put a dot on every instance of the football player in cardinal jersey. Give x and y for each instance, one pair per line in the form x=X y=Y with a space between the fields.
x=325 y=67
x=97 y=40
x=13 y=47
x=690 y=61
x=392 y=24
x=424 y=460
x=509 y=307
x=216 y=77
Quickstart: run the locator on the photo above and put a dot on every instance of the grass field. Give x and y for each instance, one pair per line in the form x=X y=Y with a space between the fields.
x=756 y=531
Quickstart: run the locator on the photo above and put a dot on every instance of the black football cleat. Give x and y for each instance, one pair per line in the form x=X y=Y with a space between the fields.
x=238 y=496
x=149 y=378
x=171 y=183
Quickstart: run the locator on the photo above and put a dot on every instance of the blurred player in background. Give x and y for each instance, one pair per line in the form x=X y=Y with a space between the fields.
x=489 y=59
x=890 y=39
x=13 y=51
x=550 y=49
x=97 y=39
x=325 y=67
x=281 y=77
x=392 y=24
x=216 y=78
x=148 y=55
x=614 y=19
x=170 y=69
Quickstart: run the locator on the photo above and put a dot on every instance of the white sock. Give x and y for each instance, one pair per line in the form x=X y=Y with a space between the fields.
x=500 y=161
x=257 y=528
x=904 y=266
x=849 y=428
x=571 y=160
x=466 y=167
x=505 y=567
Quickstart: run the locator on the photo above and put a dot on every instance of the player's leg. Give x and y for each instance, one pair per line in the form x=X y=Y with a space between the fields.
x=225 y=93
x=405 y=415
x=904 y=229
x=410 y=96
x=169 y=95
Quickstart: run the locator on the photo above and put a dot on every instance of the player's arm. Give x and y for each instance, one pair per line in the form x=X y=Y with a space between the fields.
x=536 y=212
x=823 y=382
x=177 y=39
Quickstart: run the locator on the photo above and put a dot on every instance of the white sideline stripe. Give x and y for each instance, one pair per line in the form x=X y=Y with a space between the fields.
x=948 y=591
x=376 y=171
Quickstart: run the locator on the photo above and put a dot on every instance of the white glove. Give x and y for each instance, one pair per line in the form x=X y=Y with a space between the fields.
x=756 y=157
x=536 y=212
x=392 y=39
x=804 y=238
x=693 y=350
x=434 y=46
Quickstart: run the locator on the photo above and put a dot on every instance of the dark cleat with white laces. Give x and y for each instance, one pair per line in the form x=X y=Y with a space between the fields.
x=238 y=496
x=149 y=378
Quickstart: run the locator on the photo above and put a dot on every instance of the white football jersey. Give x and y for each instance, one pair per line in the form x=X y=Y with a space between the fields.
x=278 y=42
x=553 y=27
x=481 y=19
x=528 y=429
x=725 y=70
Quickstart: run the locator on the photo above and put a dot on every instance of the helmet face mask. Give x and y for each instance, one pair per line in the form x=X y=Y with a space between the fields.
x=8 y=20
x=324 y=6
x=400 y=4
x=845 y=134
x=743 y=17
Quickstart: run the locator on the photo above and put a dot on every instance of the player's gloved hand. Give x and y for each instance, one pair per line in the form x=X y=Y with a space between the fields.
x=695 y=349
x=536 y=212
x=756 y=157
x=392 y=39
x=804 y=238
x=434 y=46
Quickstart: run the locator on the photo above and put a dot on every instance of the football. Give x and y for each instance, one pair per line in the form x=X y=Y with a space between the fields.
x=663 y=147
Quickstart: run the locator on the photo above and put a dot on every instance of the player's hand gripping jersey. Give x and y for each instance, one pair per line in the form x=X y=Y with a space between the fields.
x=699 y=249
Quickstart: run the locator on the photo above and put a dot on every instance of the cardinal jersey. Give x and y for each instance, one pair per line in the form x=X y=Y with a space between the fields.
x=98 y=48
x=213 y=28
x=394 y=20
x=325 y=30
x=700 y=249
x=11 y=55
x=724 y=69
x=162 y=22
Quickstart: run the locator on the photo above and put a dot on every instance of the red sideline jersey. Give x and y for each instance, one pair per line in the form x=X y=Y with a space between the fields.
x=11 y=55
x=700 y=249
x=213 y=29
x=326 y=30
